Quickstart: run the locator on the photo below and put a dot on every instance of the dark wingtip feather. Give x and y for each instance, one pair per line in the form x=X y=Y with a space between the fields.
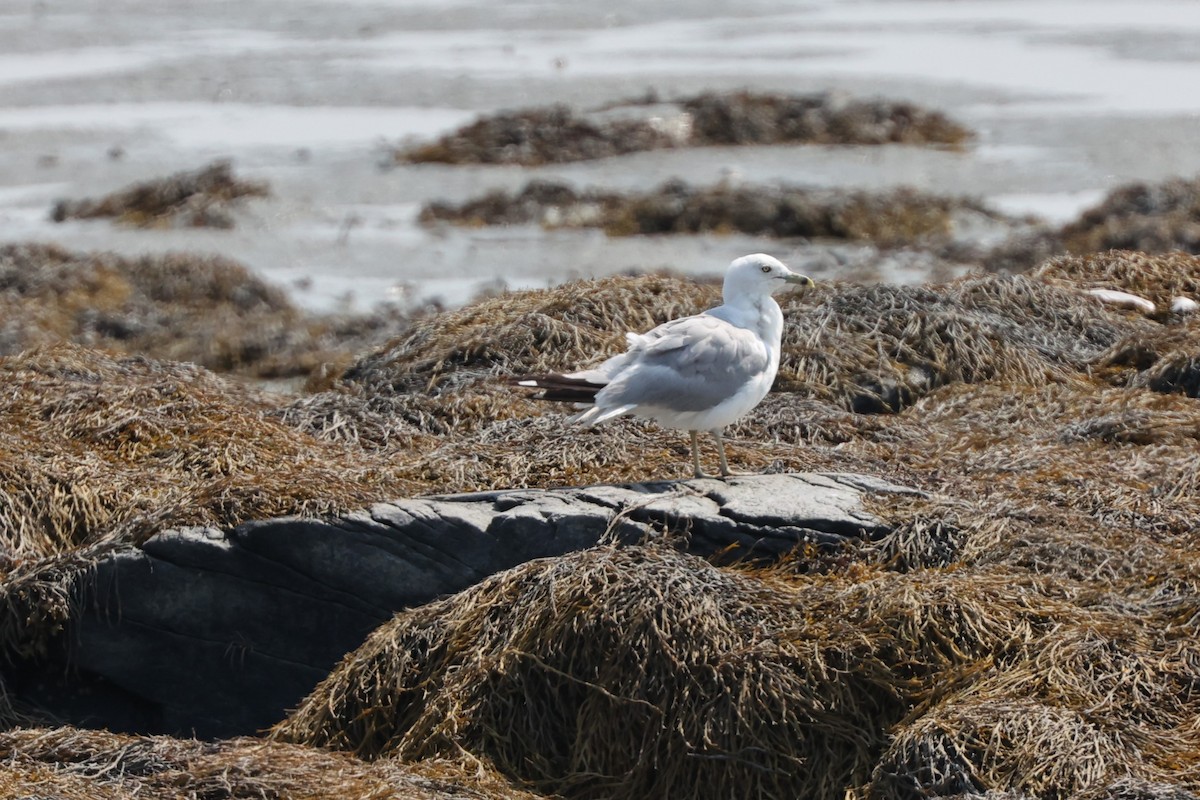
x=557 y=388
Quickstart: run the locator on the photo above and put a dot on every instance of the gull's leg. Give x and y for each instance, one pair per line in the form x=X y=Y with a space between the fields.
x=725 y=472
x=696 y=471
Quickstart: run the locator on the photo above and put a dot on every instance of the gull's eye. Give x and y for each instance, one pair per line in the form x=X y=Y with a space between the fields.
x=765 y=268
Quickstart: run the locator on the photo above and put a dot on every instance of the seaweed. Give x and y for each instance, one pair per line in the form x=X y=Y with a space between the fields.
x=75 y=763
x=1154 y=218
x=205 y=309
x=558 y=133
x=1026 y=627
x=894 y=218
x=204 y=198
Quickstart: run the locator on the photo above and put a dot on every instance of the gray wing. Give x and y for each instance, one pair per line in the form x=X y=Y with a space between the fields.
x=688 y=364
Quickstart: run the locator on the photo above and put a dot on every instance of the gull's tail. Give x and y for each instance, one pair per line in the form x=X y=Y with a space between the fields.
x=561 y=388
x=572 y=389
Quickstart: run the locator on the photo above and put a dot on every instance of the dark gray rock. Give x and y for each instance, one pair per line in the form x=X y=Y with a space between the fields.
x=217 y=633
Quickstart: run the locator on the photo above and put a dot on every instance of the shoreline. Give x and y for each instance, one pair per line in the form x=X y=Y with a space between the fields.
x=177 y=90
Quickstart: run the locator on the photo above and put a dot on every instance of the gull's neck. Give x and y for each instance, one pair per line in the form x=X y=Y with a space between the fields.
x=759 y=313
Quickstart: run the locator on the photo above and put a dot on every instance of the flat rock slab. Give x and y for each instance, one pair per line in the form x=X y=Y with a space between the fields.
x=217 y=633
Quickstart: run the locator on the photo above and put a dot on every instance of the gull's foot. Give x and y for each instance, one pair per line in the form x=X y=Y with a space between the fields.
x=730 y=473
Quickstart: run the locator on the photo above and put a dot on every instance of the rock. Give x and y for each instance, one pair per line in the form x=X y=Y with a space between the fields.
x=1184 y=305
x=203 y=198
x=1150 y=217
x=559 y=134
x=217 y=633
x=897 y=217
x=1123 y=300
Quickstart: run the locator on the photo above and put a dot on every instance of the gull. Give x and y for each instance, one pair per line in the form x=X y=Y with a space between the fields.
x=698 y=373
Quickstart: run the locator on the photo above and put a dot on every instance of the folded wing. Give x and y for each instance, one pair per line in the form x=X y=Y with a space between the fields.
x=690 y=364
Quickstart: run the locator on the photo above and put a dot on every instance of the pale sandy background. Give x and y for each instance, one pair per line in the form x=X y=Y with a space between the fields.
x=1070 y=99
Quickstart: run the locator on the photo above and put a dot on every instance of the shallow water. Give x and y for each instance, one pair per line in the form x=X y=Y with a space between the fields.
x=1070 y=99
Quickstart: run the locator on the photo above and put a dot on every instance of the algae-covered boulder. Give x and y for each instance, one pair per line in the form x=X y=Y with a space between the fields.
x=557 y=134
x=530 y=331
x=204 y=198
x=181 y=307
x=104 y=448
x=1156 y=218
x=888 y=218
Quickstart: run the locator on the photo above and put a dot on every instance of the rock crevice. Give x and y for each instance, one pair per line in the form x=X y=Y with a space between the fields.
x=218 y=632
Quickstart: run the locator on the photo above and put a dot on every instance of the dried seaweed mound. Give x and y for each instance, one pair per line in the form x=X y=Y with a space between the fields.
x=824 y=118
x=1164 y=358
x=100 y=451
x=74 y=764
x=866 y=348
x=549 y=203
x=887 y=219
x=1021 y=746
x=1158 y=278
x=99 y=448
x=204 y=198
x=879 y=348
x=602 y=674
x=847 y=351
x=1087 y=708
x=1176 y=371
x=557 y=134
x=531 y=331
x=204 y=309
x=647 y=673
x=1079 y=479
x=1030 y=631
x=532 y=137
x=1152 y=218
x=401 y=422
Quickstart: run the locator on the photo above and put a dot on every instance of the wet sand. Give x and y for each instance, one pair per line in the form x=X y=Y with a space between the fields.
x=1069 y=99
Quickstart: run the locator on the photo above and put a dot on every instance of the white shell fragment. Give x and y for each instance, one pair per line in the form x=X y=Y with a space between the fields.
x=1184 y=305
x=1123 y=300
